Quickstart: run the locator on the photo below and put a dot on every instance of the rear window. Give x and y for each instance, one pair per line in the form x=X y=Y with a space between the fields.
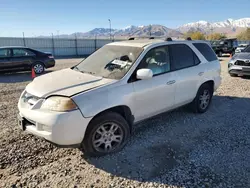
x=206 y=51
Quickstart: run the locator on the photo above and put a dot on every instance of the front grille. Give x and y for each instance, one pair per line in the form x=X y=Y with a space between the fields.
x=241 y=63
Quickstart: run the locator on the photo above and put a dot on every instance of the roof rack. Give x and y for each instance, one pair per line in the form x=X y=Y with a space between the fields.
x=169 y=39
x=189 y=38
x=134 y=38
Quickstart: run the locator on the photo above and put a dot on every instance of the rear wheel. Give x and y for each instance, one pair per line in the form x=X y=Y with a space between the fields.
x=38 y=68
x=233 y=52
x=220 y=54
x=203 y=99
x=107 y=133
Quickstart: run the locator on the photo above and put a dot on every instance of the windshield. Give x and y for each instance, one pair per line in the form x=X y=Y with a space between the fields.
x=247 y=49
x=110 y=61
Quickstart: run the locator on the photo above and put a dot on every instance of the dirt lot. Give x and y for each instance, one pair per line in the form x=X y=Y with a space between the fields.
x=176 y=149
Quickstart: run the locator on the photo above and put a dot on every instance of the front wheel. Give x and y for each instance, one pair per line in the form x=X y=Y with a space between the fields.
x=107 y=133
x=203 y=99
x=233 y=75
x=38 y=68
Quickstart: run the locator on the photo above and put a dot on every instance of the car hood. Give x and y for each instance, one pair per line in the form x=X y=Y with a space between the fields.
x=66 y=82
x=242 y=55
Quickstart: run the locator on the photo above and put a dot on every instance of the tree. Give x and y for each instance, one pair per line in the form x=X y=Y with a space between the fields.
x=195 y=35
x=216 y=36
x=245 y=35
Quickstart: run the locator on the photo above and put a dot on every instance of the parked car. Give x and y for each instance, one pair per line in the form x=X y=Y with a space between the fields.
x=241 y=47
x=22 y=58
x=225 y=46
x=99 y=100
x=239 y=65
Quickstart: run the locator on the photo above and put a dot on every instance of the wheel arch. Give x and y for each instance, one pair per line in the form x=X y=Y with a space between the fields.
x=33 y=63
x=123 y=110
x=210 y=83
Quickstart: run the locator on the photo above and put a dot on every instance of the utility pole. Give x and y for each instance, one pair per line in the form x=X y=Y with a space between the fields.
x=76 y=46
x=57 y=33
x=110 y=28
x=24 y=43
x=53 y=45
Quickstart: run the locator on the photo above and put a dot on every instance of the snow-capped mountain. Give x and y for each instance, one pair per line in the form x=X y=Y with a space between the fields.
x=154 y=30
x=204 y=25
x=230 y=27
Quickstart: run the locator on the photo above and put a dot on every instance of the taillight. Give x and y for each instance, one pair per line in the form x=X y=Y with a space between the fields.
x=51 y=56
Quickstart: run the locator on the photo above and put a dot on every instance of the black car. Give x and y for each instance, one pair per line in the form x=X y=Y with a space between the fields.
x=225 y=46
x=22 y=58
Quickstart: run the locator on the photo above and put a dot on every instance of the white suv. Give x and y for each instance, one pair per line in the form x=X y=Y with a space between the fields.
x=94 y=104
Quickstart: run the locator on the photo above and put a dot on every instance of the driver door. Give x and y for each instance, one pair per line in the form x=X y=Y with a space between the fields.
x=155 y=95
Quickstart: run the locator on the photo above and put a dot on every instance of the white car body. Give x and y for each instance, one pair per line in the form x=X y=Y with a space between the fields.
x=240 y=48
x=94 y=95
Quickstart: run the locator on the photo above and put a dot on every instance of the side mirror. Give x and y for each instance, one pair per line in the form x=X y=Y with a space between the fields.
x=144 y=74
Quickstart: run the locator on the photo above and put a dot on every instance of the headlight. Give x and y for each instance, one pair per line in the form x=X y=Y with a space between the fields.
x=59 y=104
x=230 y=63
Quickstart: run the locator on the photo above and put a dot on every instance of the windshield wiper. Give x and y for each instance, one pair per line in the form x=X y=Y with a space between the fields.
x=88 y=72
x=76 y=68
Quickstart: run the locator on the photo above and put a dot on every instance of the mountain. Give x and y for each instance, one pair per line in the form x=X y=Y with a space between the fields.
x=135 y=31
x=228 y=26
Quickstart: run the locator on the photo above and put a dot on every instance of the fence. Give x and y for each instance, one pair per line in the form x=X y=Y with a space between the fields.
x=58 y=46
x=62 y=46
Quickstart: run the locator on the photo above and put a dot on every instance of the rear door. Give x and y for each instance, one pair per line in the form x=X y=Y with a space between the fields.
x=185 y=64
x=22 y=58
x=5 y=56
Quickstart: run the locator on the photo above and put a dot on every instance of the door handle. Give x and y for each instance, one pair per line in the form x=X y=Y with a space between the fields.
x=201 y=73
x=170 y=82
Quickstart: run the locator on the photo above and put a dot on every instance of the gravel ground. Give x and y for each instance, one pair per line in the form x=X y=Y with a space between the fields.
x=175 y=149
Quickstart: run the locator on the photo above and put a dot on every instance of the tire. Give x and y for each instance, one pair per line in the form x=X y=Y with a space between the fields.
x=38 y=67
x=105 y=140
x=220 y=54
x=233 y=52
x=196 y=105
x=233 y=75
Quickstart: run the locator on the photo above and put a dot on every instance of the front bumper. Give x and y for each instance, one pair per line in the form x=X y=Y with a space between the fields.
x=239 y=70
x=61 y=128
x=50 y=63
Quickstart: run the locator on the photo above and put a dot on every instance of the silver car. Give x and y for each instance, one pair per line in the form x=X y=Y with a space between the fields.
x=239 y=65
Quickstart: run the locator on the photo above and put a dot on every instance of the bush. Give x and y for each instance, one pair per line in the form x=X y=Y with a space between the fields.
x=245 y=35
x=195 y=35
x=216 y=36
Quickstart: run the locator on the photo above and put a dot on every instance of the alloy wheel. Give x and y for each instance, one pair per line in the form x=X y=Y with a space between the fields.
x=38 y=68
x=204 y=99
x=107 y=137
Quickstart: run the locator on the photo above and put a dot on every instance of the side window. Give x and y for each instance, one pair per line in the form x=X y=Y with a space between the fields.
x=157 y=59
x=4 y=53
x=206 y=51
x=22 y=52
x=182 y=56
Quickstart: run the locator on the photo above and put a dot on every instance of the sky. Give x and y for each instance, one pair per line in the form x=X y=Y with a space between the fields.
x=43 y=17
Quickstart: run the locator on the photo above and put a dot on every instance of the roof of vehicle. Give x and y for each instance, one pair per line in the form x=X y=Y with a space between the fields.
x=13 y=47
x=145 y=42
x=243 y=45
x=229 y=39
